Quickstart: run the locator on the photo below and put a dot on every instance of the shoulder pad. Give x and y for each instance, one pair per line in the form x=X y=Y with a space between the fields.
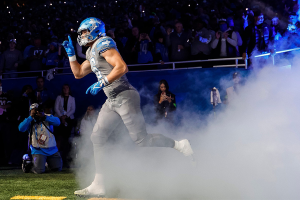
x=104 y=44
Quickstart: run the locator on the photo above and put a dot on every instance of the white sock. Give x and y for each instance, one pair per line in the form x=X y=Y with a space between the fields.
x=97 y=186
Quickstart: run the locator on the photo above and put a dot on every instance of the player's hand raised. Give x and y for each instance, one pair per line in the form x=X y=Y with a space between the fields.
x=69 y=47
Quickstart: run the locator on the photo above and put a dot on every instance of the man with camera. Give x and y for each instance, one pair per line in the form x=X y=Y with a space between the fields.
x=42 y=141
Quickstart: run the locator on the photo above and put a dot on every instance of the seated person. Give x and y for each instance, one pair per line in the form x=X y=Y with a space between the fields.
x=42 y=141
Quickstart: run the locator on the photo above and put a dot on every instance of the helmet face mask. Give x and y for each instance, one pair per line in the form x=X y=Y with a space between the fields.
x=95 y=28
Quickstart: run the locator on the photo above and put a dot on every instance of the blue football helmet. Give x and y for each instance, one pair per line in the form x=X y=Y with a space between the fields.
x=95 y=28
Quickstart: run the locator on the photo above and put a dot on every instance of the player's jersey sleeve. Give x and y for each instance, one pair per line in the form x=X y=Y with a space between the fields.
x=105 y=44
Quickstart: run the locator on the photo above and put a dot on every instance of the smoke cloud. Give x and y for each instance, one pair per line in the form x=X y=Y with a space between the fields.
x=249 y=150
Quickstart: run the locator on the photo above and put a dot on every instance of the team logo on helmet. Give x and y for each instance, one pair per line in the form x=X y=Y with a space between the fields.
x=95 y=28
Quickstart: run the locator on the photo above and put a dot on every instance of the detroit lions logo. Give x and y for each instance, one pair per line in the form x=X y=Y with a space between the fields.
x=94 y=24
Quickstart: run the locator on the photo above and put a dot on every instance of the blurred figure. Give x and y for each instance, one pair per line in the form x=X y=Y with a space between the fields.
x=178 y=41
x=144 y=48
x=165 y=102
x=232 y=91
x=226 y=41
x=36 y=55
x=132 y=46
x=26 y=100
x=201 y=39
x=64 y=109
x=42 y=95
x=5 y=147
x=230 y=23
x=88 y=121
x=51 y=57
x=11 y=60
x=161 y=51
x=257 y=36
x=292 y=35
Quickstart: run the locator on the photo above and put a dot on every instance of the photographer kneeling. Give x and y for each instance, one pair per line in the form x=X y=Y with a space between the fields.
x=42 y=141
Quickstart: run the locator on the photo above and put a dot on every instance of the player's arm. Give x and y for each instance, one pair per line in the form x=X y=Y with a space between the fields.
x=113 y=57
x=82 y=70
x=78 y=70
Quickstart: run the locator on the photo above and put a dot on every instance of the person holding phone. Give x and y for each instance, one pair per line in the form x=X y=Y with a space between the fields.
x=165 y=102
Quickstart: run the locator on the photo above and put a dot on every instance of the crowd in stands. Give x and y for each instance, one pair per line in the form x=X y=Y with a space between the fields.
x=148 y=31
x=145 y=31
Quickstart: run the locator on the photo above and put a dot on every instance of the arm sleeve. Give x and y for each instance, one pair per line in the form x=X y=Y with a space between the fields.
x=214 y=43
x=52 y=120
x=25 y=125
x=79 y=51
x=233 y=40
x=73 y=107
x=105 y=44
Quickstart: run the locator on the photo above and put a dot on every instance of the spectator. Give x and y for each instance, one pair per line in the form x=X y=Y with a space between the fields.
x=132 y=47
x=165 y=102
x=200 y=44
x=42 y=95
x=226 y=41
x=292 y=34
x=5 y=104
x=145 y=47
x=121 y=41
x=86 y=128
x=178 y=42
x=42 y=141
x=257 y=36
x=238 y=36
x=64 y=109
x=36 y=55
x=27 y=49
x=88 y=121
x=11 y=59
x=51 y=57
x=161 y=51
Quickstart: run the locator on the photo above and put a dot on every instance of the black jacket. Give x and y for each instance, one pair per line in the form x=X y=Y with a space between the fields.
x=250 y=41
x=165 y=106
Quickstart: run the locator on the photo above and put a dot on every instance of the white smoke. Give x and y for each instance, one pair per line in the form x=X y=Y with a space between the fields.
x=248 y=151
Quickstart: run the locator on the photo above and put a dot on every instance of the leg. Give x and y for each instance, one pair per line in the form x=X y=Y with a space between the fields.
x=39 y=162
x=106 y=123
x=55 y=162
x=133 y=119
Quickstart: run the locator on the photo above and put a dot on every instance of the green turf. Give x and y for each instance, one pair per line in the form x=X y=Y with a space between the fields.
x=15 y=182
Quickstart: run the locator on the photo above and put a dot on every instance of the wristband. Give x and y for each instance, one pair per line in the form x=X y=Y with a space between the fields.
x=72 y=58
x=106 y=80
